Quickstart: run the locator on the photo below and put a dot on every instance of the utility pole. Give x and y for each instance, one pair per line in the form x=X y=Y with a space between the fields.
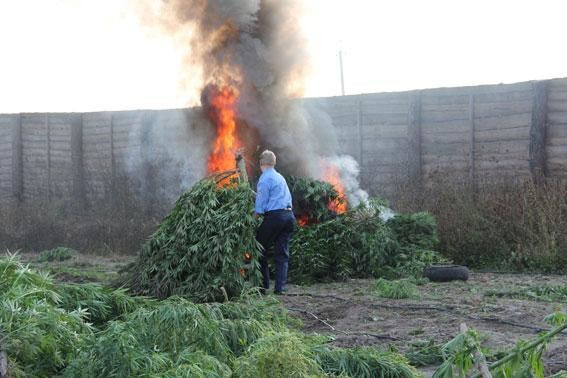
x=342 y=76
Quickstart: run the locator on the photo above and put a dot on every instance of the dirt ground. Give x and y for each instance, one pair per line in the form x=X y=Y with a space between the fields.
x=354 y=315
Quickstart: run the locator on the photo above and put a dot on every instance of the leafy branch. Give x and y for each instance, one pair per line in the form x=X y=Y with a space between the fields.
x=463 y=351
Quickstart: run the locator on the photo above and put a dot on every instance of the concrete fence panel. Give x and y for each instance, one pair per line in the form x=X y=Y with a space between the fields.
x=556 y=140
x=9 y=126
x=478 y=135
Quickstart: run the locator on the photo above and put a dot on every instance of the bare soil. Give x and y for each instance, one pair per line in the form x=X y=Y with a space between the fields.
x=354 y=315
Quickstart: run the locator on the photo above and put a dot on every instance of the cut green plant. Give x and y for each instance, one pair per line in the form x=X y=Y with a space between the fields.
x=545 y=293
x=524 y=360
x=424 y=353
x=358 y=244
x=199 y=249
x=399 y=289
x=46 y=330
x=57 y=254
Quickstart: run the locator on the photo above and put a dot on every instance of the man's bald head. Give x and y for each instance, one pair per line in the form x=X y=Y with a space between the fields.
x=268 y=158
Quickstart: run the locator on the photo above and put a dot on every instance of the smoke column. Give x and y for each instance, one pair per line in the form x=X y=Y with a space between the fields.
x=257 y=47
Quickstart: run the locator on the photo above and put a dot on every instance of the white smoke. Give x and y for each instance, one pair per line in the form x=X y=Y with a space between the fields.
x=348 y=170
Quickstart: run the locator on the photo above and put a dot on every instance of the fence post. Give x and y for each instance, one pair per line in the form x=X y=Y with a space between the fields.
x=77 y=160
x=113 y=177
x=48 y=148
x=415 y=158
x=538 y=130
x=17 y=160
x=472 y=171
x=149 y=187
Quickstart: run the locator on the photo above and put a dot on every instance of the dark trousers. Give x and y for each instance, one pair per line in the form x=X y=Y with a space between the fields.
x=276 y=229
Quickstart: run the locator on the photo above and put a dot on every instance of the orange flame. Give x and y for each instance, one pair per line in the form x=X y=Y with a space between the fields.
x=223 y=113
x=303 y=220
x=332 y=176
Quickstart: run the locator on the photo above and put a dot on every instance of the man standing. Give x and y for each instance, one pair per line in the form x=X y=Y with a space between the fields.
x=273 y=201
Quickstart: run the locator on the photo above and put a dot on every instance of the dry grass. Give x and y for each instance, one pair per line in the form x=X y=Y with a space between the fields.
x=120 y=227
x=512 y=225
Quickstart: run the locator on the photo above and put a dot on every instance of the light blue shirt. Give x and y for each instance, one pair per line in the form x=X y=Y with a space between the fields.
x=272 y=192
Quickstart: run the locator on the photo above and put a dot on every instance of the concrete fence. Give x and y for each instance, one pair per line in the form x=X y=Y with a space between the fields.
x=481 y=135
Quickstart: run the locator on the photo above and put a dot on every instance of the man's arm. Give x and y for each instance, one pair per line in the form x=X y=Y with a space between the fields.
x=262 y=193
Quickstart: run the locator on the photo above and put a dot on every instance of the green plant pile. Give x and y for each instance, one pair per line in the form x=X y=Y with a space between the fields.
x=364 y=362
x=358 y=244
x=311 y=198
x=46 y=330
x=103 y=303
x=398 y=289
x=39 y=337
x=57 y=254
x=415 y=230
x=198 y=250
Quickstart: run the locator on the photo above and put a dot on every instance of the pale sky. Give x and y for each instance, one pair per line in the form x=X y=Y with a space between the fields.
x=87 y=55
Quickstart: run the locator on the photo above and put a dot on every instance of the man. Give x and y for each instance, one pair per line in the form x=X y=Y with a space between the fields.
x=273 y=201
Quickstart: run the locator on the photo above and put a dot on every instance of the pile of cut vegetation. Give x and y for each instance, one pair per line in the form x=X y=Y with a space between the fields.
x=358 y=243
x=86 y=330
x=205 y=249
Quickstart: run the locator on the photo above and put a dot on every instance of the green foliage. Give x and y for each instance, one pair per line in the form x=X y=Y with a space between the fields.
x=546 y=293
x=39 y=337
x=357 y=244
x=458 y=355
x=102 y=303
x=418 y=229
x=399 y=289
x=57 y=254
x=424 y=353
x=311 y=198
x=524 y=360
x=278 y=355
x=44 y=329
x=339 y=249
x=198 y=251
x=162 y=338
x=364 y=362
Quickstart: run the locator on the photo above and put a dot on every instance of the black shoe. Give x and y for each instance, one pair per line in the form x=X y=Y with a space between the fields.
x=262 y=291
x=279 y=292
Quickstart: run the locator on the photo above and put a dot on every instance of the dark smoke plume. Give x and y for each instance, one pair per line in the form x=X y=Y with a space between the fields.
x=257 y=47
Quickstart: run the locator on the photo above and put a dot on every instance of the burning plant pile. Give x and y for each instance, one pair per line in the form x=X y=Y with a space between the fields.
x=359 y=243
x=249 y=80
x=205 y=249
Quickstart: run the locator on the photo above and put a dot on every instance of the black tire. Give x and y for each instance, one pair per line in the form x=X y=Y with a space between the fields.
x=446 y=273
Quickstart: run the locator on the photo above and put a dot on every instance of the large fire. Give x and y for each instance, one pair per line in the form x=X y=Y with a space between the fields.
x=222 y=110
x=332 y=176
x=221 y=103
